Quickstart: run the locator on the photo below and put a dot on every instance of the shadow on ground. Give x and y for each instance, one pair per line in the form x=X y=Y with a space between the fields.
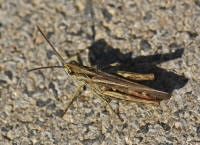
x=102 y=55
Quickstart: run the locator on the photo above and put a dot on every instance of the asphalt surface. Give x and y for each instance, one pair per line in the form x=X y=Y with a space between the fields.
x=142 y=36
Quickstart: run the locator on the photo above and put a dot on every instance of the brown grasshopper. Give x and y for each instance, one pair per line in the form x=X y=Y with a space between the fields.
x=109 y=86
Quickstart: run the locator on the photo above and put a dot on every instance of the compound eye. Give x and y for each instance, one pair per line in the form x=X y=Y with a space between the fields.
x=67 y=69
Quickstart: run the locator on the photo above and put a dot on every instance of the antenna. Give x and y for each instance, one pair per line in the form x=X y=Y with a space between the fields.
x=54 y=49
x=44 y=67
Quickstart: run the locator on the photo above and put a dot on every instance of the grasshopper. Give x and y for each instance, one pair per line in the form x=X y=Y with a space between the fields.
x=109 y=86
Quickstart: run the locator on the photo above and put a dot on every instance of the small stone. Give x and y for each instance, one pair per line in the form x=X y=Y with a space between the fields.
x=106 y=15
x=79 y=5
x=147 y=16
x=178 y=125
x=41 y=103
x=165 y=126
x=52 y=86
x=2 y=82
x=144 y=128
x=51 y=106
x=59 y=112
x=144 y=45
x=4 y=129
x=49 y=34
x=10 y=135
x=173 y=45
x=192 y=35
x=49 y=54
x=125 y=125
x=9 y=74
x=198 y=130
x=197 y=2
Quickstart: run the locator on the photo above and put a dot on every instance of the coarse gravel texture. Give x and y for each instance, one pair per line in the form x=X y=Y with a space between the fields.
x=160 y=37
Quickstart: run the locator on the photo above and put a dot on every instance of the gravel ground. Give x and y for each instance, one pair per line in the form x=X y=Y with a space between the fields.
x=143 y=36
